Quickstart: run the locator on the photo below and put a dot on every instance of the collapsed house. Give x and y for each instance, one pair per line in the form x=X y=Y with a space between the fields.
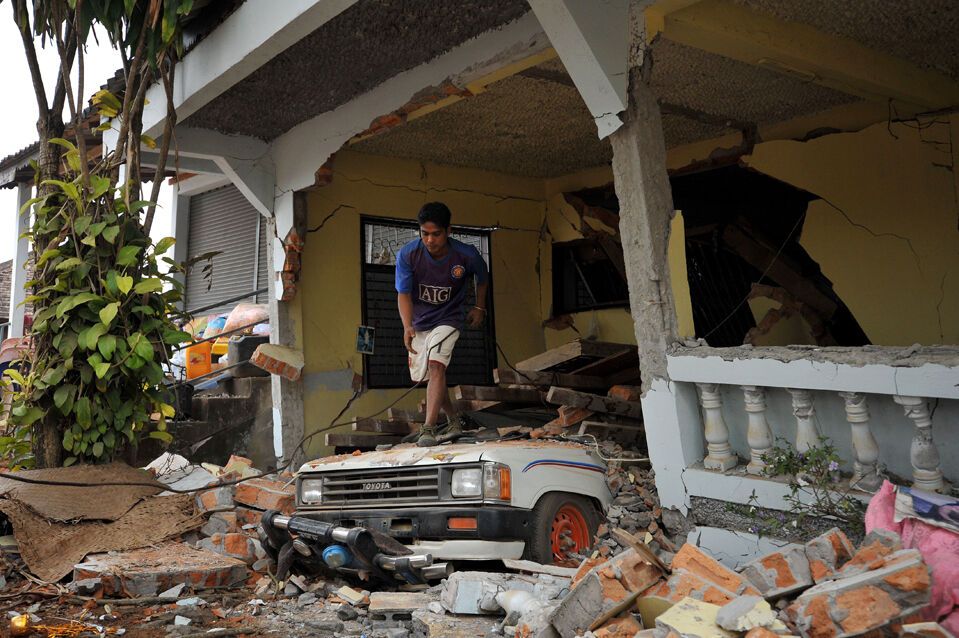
x=810 y=152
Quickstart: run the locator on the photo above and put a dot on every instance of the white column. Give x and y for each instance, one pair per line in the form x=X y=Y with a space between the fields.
x=864 y=447
x=807 y=435
x=180 y=231
x=759 y=435
x=926 y=472
x=286 y=330
x=720 y=456
x=19 y=270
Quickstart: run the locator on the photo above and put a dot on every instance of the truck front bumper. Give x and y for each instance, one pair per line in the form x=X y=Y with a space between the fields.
x=493 y=522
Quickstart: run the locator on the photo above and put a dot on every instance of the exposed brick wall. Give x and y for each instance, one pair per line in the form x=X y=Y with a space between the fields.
x=6 y=279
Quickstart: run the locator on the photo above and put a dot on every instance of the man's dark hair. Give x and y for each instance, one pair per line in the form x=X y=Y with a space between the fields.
x=436 y=212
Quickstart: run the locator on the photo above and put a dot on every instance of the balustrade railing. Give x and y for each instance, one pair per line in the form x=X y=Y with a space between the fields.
x=722 y=380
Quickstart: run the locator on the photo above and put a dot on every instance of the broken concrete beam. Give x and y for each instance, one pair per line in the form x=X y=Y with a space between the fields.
x=827 y=553
x=780 y=573
x=219 y=499
x=428 y=624
x=691 y=618
x=605 y=587
x=395 y=609
x=279 y=360
x=475 y=592
x=878 y=544
x=239 y=546
x=857 y=604
x=264 y=494
x=568 y=416
x=147 y=572
x=694 y=561
x=546 y=379
x=503 y=395
x=594 y=402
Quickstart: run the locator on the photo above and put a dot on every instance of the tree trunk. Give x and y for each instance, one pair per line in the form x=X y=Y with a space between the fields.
x=47 y=435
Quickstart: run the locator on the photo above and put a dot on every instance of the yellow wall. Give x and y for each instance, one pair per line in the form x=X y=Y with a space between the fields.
x=885 y=232
x=330 y=285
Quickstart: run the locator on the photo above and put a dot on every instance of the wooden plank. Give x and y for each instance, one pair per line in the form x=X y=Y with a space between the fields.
x=361 y=441
x=546 y=379
x=625 y=538
x=406 y=416
x=594 y=402
x=626 y=358
x=568 y=352
x=493 y=393
x=531 y=567
x=381 y=427
x=613 y=426
x=468 y=405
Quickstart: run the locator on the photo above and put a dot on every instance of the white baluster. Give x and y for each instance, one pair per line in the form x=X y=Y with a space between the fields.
x=807 y=436
x=864 y=447
x=759 y=436
x=720 y=455
x=926 y=473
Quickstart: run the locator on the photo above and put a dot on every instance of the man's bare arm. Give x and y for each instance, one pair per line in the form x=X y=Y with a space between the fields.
x=405 y=303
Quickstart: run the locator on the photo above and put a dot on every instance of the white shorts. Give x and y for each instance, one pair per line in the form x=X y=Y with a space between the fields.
x=431 y=345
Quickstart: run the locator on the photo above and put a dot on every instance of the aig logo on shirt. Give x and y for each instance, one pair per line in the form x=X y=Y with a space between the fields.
x=435 y=294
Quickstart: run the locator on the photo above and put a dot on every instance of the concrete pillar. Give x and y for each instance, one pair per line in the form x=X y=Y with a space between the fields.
x=20 y=259
x=646 y=212
x=181 y=229
x=286 y=328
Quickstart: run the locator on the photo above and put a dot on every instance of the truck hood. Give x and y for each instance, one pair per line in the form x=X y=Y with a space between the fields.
x=410 y=455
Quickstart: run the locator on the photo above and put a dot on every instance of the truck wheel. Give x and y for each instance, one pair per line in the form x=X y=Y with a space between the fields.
x=563 y=524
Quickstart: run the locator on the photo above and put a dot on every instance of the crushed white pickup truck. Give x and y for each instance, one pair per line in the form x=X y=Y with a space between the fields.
x=403 y=513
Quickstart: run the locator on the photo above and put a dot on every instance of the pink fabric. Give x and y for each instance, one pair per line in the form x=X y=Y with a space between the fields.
x=939 y=548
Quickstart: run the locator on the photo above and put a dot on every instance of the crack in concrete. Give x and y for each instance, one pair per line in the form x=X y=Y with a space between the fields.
x=328 y=217
x=856 y=224
x=942 y=298
x=425 y=191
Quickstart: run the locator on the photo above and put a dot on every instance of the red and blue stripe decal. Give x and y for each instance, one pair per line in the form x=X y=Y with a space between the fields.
x=570 y=464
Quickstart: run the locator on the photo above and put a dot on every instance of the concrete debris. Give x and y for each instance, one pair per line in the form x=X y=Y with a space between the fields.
x=780 y=573
x=691 y=618
x=474 y=593
x=747 y=612
x=827 y=553
x=925 y=630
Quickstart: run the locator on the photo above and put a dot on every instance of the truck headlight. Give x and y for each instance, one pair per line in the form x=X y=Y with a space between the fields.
x=467 y=482
x=497 y=482
x=311 y=491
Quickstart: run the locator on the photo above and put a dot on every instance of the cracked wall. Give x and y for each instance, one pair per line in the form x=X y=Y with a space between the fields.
x=330 y=282
x=886 y=231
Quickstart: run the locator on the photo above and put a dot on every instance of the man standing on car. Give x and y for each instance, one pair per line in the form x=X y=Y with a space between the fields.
x=431 y=282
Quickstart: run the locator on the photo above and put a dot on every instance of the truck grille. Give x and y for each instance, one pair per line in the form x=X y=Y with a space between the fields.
x=381 y=487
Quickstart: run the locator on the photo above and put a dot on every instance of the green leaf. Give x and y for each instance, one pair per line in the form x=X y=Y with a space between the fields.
x=68 y=441
x=110 y=233
x=100 y=368
x=106 y=345
x=148 y=285
x=15 y=375
x=67 y=187
x=98 y=449
x=71 y=302
x=164 y=245
x=95 y=229
x=107 y=103
x=80 y=224
x=59 y=141
x=124 y=283
x=47 y=256
x=82 y=410
x=109 y=439
x=62 y=394
x=53 y=376
x=166 y=437
x=67 y=264
x=70 y=460
x=89 y=337
x=100 y=185
x=148 y=141
x=128 y=255
x=176 y=337
x=28 y=416
x=108 y=312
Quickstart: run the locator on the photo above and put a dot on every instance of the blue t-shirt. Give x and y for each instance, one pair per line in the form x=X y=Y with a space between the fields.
x=438 y=286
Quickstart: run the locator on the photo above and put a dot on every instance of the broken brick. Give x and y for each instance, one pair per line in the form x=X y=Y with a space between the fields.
x=219 y=499
x=625 y=627
x=147 y=572
x=872 y=553
x=239 y=546
x=221 y=523
x=279 y=360
x=684 y=584
x=780 y=573
x=246 y=516
x=694 y=561
x=857 y=604
x=626 y=392
x=827 y=553
x=568 y=415
x=265 y=494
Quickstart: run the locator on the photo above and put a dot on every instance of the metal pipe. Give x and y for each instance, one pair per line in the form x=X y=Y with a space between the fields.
x=341 y=534
x=437 y=571
x=283 y=522
x=416 y=561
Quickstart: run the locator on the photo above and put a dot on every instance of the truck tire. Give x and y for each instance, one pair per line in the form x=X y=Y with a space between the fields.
x=562 y=524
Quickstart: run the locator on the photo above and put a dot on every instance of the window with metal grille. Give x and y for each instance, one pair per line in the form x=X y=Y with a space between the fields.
x=585 y=278
x=475 y=354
